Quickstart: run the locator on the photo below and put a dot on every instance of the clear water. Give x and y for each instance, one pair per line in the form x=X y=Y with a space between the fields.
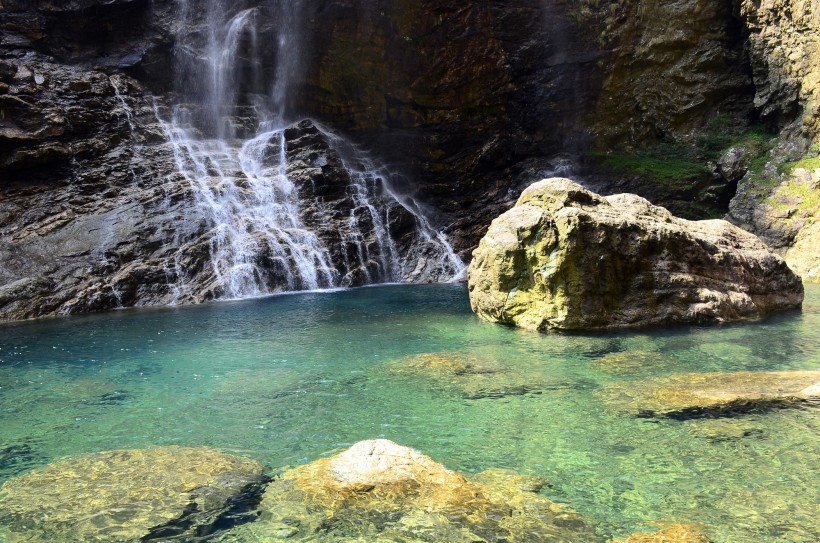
x=287 y=379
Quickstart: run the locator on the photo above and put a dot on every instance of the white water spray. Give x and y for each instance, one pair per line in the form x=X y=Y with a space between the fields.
x=228 y=135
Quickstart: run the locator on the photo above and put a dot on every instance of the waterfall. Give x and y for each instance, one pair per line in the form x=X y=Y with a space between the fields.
x=237 y=66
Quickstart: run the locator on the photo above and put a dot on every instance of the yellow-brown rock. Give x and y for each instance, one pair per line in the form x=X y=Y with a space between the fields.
x=378 y=491
x=705 y=394
x=567 y=258
x=804 y=255
x=123 y=495
x=784 y=47
x=675 y=533
x=383 y=475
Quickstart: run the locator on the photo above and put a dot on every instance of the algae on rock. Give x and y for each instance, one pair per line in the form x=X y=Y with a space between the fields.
x=380 y=491
x=697 y=395
x=125 y=495
x=567 y=258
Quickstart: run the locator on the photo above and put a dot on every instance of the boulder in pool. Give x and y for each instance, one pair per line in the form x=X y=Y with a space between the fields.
x=380 y=491
x=154 y=494
x=567 y=258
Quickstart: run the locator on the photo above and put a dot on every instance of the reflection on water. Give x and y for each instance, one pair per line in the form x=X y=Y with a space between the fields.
x=287 y=379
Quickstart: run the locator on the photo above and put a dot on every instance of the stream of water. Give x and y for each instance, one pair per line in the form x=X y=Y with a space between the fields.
x=235 y=87
x=287 y=379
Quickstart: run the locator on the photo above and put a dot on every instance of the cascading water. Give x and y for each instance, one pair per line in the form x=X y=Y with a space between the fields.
x=231 y=133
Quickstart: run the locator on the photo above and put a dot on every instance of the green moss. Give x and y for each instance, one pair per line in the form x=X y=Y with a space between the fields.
x=654 y=163
x=808 y=199
x=680 y=163
x=810 y=163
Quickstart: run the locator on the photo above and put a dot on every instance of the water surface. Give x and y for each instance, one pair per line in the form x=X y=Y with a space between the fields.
x=288 y=379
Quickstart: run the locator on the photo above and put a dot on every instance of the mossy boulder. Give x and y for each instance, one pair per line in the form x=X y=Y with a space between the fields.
x=125 y=495
x=378 y=491
x=567 y=258
x=694 y=395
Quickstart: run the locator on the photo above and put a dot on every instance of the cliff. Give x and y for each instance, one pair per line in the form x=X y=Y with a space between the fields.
x=466 y=104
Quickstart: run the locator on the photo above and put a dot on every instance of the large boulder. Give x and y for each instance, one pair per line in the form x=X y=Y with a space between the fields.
x=567 y=258
x=383 y=492
x=154 y=494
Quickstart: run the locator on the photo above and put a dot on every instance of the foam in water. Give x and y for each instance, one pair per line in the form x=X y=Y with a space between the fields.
x=228 y=138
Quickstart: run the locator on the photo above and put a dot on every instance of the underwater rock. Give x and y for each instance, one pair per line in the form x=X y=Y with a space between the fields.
x=567 y=258
x=470 y=376
x=125 y=495
x=380 y=491
x=675 y=533
x=632 y=360
x=697 y=395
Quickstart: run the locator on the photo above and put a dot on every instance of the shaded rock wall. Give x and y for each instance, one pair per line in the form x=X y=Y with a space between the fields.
x=671 y=68
x=784 y=50
x=780 y=201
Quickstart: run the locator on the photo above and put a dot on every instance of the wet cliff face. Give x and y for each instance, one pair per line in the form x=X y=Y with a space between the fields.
x=784 y=51
x=453 y=90
x=671 y=67
x=466 y=103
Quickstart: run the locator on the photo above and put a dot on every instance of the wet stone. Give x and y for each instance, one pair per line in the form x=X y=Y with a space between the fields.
x=674 y=533
x=471 y=376
x=126 y=495
x=710 y=395
x=378 y=491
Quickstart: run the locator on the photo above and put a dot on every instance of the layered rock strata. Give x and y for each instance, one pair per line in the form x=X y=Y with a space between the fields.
x=566 y=258
x=147 y=237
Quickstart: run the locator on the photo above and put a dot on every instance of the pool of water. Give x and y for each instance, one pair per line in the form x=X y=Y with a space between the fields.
x=288 y=379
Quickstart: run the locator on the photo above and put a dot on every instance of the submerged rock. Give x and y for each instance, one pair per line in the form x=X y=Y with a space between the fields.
x=675 y=533
x=567 y=258
x=632 y=360
x=469 y=376
x=380 y=491
x=126 y=495
x=694 y=395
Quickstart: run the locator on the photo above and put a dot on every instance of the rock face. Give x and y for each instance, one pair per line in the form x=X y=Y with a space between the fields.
x=672 y=66
x=784 y=49
x=380 y=491
x=782 y=206
x=694 y=395
x=143 y=236
x=139 y=495
x=567 y=258
x=803 y=256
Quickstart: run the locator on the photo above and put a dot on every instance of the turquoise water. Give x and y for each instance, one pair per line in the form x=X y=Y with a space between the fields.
x=288 y=379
